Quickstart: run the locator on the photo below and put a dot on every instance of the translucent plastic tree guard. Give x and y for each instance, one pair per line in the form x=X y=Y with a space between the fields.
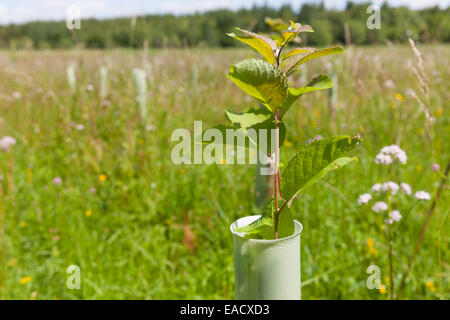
x=266 y=269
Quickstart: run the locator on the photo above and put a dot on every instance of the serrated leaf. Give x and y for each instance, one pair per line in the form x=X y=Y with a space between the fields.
x=293 y=64
x=264 y=227
x=313 y=161
x=264 y=45
x=256 y=119
x=261 y=80
x=321 y=82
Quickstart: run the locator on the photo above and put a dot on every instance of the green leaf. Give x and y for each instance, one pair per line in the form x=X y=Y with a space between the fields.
x=262 y=81
x=320 y=82
x=292 y=65
x=264 y=227
x=314 y=161
x=256 y=119
x=264 y=45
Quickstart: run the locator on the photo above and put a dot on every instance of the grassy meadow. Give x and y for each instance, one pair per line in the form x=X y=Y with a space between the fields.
x=140 y=227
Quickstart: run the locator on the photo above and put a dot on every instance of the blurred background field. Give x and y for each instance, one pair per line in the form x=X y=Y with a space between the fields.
x=90 y=181
x=141 y=227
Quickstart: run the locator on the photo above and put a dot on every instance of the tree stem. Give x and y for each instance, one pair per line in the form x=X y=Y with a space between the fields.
x=276 y=179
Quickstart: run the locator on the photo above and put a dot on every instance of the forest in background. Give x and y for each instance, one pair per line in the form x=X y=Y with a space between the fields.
x=209 y=29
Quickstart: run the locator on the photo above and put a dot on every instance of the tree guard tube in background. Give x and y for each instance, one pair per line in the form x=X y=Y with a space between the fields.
x=266 y=269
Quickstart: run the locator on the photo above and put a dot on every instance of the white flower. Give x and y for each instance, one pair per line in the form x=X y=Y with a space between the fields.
x=395 y=216
x=80 y=126
x=17 y=95
x=379 y=206
x=383 y=159
x=422 y=195
x=6 y=142
x=376 y=187
x=153 y=185
x=389 y=84
x=406 y=188
x=364 y=198
x=89 y=87
x=390 y=153
x=150 y=127
x=391 y=186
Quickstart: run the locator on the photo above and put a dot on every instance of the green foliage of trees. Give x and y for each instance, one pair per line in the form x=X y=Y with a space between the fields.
x=209 y=29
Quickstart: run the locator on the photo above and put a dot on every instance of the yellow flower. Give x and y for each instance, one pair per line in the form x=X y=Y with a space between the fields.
x=12 y=262
x=23 y=224
x=439 y=112
x=399 y=97
x=287 y=143
x=102 y=178
x=140 y=141
x=420 y=131
x=382 y=289
x=419 y=167
x=182 y=171
x=25 y=280
x=371 y=249
x=88 y=213
x=430 y=285
x=29 y=175
x=223 y=161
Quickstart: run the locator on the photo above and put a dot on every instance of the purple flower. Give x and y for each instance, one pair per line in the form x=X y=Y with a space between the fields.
x=435 y=167
x=6 y=142
x=57 y=181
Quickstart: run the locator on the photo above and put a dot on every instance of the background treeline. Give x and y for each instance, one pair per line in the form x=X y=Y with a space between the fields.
x=208 y=29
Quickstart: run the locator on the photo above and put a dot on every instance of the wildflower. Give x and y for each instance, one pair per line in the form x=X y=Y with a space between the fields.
x=399 y=97
x=377 y=187
x=430 y=285
x=6 y=142
x=318 y=137
x=150 y=127
x=422 y=195
x=419 y=167
x=92 y=190
x=390 y=153
x=364 y=198
x=89 y=87
x=389 y=84
x=371 y=249
x=383 y=159
x=410 y=92
x=395 y=216
x=17 y=95
x=390 y=186
x=435 y=167
x=23 y=224
x=102 y=178
x=106 y=103
x=57 y=181
x=25 y=280
x=379 y=206
x=382 y=289
x=88 y=213
x=80 y=127
x=12 y=262
x=153 y=185
x=405 y=188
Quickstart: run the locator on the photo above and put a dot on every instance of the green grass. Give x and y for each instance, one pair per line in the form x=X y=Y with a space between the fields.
x=172 y=240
